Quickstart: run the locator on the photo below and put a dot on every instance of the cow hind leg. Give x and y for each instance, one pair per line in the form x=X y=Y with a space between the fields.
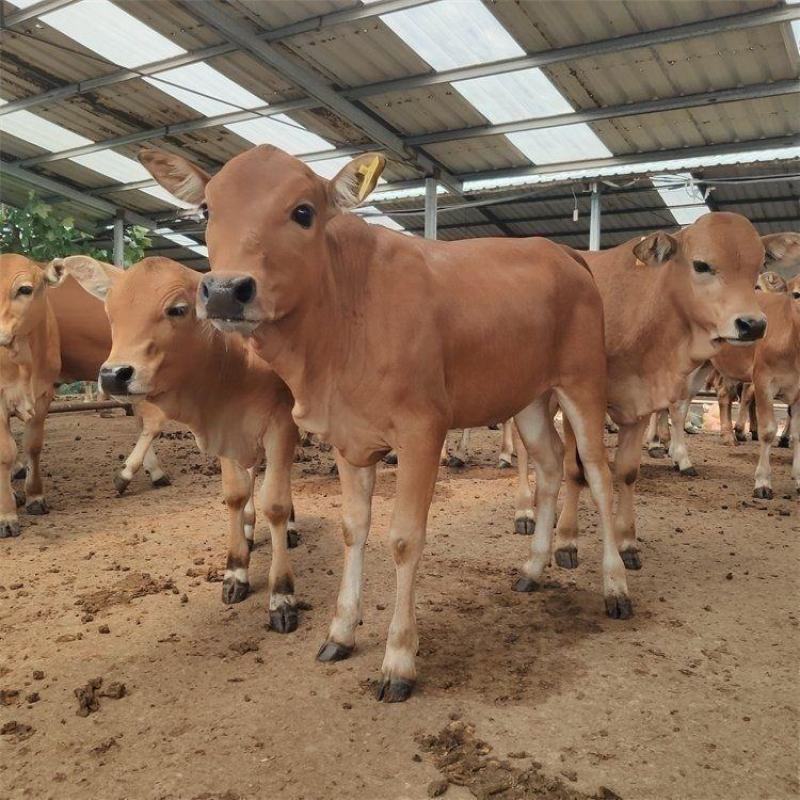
x=32 y=441
x=784 y=440
x=566 y=540
x=507 y=448
x=678 y=449
x=249 y=513
x=236 y=488
x=9 y=523
x=626 y=471
x=524 y=522
x=794 y=429
x=459 y=458
x=658 y=434
x=727 y=431
x=767 y=431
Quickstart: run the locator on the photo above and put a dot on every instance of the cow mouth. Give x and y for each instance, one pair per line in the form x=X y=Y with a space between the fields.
x=735 y=341
x=246 y=327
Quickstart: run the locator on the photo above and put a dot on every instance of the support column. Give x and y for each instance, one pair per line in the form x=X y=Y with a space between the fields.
x=594 y=219
x=430 y=208
x=119 y=240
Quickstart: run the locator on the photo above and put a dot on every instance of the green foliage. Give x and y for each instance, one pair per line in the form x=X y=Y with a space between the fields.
x=36 y=232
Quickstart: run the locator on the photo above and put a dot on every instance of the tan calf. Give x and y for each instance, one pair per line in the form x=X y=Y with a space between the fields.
x=212 y=382
x=387 y=341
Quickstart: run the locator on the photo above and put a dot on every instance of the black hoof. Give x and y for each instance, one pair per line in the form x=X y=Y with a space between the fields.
x=390 y=458
x=567 y=557
x=739 y=435
x=763 y=493
x=619 y=607
x=251 y=543
x=283 y=619
x=455 y=461
x=657 y=452
x=234 y=591
x=754 y=435
x=164 y=480
x=503 y=464
x=689 y=472
x=394 y=690
x=783 y=441
x=9 y=529
x=292 y=539
x=333 y=651
x=120 y=484
x=525 y=584
x=494 y=427
x=19 y=474
x=524 y=526
x=631 y=559
x=38 y=507
x=19 y=499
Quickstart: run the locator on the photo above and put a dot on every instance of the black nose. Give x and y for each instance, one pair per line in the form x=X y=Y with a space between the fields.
x=115 y=379
x=226 y=298
x=751 y=328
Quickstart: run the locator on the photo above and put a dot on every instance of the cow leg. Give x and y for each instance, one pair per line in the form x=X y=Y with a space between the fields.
x=32 y=442
x=656 y=447
x=794 y=430
x=626 y=471
x=459 y=458
x=416 y=479
x=584 y=416
x=766 y=432
x=151 y=421
x=236 y=488
x=524 y=521
x=536 y=428
x=566 y=540
x=9 y=523
x=507 y=448
x=753 y=413
x=249 y=513
x=276 y=500
x=784 y=440
x=727 y=431
x=678 y=449
x=357 y=485
x=746 y=412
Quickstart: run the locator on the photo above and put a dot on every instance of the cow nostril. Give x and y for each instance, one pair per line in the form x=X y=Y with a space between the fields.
x=751 y=328
x=244 y=290
x=123 y=374
x=204 y=290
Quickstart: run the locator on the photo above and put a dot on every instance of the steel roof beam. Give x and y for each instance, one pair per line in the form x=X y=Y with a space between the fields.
x=36 y=10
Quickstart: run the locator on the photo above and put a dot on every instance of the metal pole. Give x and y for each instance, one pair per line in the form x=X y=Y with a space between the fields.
x=430 y=208
x=594 y=219
x=119 y=240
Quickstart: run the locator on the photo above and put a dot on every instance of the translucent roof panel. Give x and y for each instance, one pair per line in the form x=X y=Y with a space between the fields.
x=281 y=132
x=684 y=200
x=373 y=216
x=165 y=196
x=41 y=132
x=453 y=33
x=567 y=143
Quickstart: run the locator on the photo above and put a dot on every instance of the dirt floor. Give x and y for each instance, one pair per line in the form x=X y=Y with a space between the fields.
x=520 y=696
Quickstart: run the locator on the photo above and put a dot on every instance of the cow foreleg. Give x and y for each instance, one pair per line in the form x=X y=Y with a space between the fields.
x=767 y=428
x=626 y=471
x=678 y=449
x=236 y=488
x=537 y=431
x=459 y=458
x=276 y=500
x=507 y=448
x=658 y=434
x=32 y=446
x=746 y=412
x=727 y=431
x=9 y=523
x=524 y=521
x=151 y=420
x=249 y=513
x=357 y=484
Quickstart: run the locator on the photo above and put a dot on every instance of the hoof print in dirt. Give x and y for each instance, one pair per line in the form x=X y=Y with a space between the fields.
x=631 y=559
x=689 y=472
x=292 y=539
x=567 y=557
x=121 y=484
x=162 y=481
x=234 y=591
x=283 y=619
x=38 y=507
x=394 y=690
x=525 y=584
x=9 y=528
x=763 y=493
x=525 y=526
x=619 y=607
x=333 y=651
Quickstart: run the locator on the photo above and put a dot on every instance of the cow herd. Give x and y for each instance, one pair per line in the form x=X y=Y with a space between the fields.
x=380 y=343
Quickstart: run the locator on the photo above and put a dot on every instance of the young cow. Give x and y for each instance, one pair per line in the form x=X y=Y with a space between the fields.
x=387 y=341
x=29 y=368
x=237 y=408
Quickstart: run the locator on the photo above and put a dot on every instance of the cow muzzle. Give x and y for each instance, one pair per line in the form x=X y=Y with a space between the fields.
x=115 y=379
x=750 y=329
x=227 y=301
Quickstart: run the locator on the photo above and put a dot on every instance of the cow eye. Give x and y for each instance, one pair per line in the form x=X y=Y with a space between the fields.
x=178 y=311
x=25 y=289
x=701 y=268
x=303 y=215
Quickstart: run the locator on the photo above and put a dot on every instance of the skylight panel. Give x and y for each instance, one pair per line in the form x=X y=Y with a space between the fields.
x=376 y=218
x=162 y=194
x=554 y=145
x=453 y=33
x=114 y=165
x=41 y=132
x=281 y=132
x=685 y=202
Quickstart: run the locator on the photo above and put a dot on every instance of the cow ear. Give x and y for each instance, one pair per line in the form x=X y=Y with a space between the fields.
x=657 y=248
x=96 y=277
x=354 y=182
x=54 y=272
x=178 y=176
x=781 y=246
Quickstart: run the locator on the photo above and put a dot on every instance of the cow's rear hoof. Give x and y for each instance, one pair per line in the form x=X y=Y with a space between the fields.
x=689 y=472
x=567 y=557
x=631 y=559
x=333 y=651
x=121 y=484
x=284 y=618
x=524 y=526
x=455 y=461
x=525 y=584
x=292 y=539
x=763 y=493
x=394 y=690
x=754 y=435
x=19 y=474
x=19 y=499
x=783 y=441
x=619 y=607
x=162 y=480
x=739 y=435
x=390 y=458
x=659 y=451
x=234 y=591
x=38 y=507
x=9 y=529
x=504 y=463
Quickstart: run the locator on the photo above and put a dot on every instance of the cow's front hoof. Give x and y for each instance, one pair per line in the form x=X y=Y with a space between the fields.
x=739 y=435
x=783 y=441
x=754 y=435
x=524 y=525
x=234 y=591
x=689 y=472
x=333 y=651
x=763 y=493
x=504 y=463
x=525 y=584
x=619 y=606
x=394 y=690
x=161 y=480
x=38 y=507
x=455 y=461
x=283 y=619
x=390 y=458
x=567 y=557
x=657 y=451
x=20 y=473
x=9 y=528
x=121 y=483
x=631 y=559
x=292 y=539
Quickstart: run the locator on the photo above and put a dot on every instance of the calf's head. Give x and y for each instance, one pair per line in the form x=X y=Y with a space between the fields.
x=268 y=216
x=22 y=295
x=711 y=268
x=154 y=330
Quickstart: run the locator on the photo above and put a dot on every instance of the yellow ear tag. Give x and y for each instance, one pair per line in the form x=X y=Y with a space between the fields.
x=369 y=177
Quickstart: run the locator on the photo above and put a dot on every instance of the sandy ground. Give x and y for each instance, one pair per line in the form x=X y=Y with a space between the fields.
x=520 y=696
